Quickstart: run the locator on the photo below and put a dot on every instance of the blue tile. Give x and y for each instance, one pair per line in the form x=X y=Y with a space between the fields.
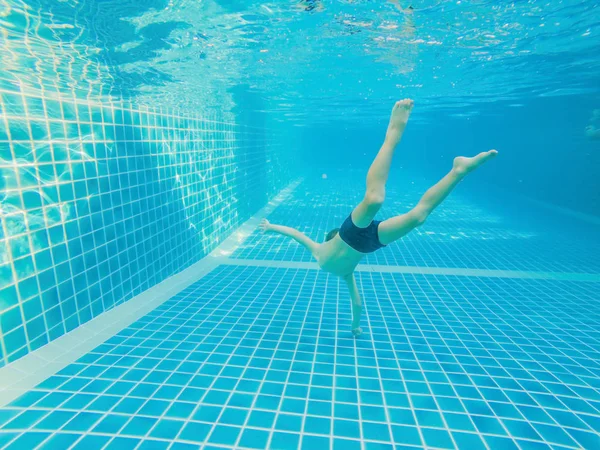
x=319 y=408
x=223 y=434
x=167 y=392
x=261 y=419
x=128 y=405
x=139 y=426
x=15 y=340
x=267 y=402
x=103 y=403
x=375 y=431
x=401 y=416
x=478 y=407
x=151 y=444
x=497 y=442
x=293 y=405
x=111 y=424
x=155 y=408
x=371 y=398
x=78 y=401
x=429 y=418
x=346 y=395
x=24 y=420
x=122 y=443
x=207 y=413
x=530 y=445
x=505 y=410
x=191 y=394
x=232 y=416
x=195 y=431
x=288 y=422
x=567 y=419
x=216 y=397
x=345 y=411
x=396 y=400
x=373 y=413
x=60 y=441
x=468 y=440
x=91 y=443
x=180 y=410
x=28 y=440
x=346 y=428
x=488 y=425
x=459 y=422
x=585 y=439
x=55 y=420
x=317 y=425
x=403 y=434
x=241 y=400
x=254 y=438
x=11 y=319
x=83 y=421
x=6 y=437
x=296 y=391
x=183 y=446
x=166 y=429
x=521 y=429
x=314 y=442
x=120 y=388
x=6 y=414
x=285 y=441
x=437 y=438
x=378 y=446
x=345 y=444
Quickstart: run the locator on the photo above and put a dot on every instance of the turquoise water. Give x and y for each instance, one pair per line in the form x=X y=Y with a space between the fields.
x=139 y=308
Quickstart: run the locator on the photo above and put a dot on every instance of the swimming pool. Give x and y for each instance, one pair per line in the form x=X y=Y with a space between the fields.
x=142 y=143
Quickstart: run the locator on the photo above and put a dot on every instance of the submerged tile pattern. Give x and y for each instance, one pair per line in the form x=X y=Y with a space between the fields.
x=99 y=202
x=461 y=233
x=254 y=357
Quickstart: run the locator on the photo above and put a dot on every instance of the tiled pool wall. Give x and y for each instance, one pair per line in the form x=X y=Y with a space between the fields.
x=101 y=201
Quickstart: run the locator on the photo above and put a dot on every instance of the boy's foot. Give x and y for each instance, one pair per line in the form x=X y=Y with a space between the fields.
x=356 y=331
x=463 y=165
x=400 y=113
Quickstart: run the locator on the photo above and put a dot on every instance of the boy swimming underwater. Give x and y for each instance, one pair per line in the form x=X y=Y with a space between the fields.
x=344 y=247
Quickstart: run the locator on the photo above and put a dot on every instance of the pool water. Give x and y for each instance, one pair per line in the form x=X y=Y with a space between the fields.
x=141 y=143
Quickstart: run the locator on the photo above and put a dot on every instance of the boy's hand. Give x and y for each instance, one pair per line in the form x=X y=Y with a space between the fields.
x=265 y=226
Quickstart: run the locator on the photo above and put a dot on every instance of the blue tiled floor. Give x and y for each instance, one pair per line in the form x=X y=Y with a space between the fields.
x=262 y=357
x=461 y=233
x=258 y=357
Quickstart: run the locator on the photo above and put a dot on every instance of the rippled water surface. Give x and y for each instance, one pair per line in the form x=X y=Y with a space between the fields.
x=307 y=59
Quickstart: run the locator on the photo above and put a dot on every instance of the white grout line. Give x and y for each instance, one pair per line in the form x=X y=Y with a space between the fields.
x=277 y=264
x=490 y=273
x=25 y=373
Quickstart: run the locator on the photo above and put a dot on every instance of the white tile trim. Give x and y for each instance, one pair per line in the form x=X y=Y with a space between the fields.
x=427 y=270
x=25 y=373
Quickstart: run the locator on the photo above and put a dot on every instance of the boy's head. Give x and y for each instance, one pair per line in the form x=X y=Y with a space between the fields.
x=333 y=233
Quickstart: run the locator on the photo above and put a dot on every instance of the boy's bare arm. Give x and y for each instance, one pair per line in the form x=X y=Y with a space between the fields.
x=299 y=237
x=356 y=304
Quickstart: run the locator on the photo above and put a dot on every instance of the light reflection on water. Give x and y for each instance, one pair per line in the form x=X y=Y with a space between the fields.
x=308 y=63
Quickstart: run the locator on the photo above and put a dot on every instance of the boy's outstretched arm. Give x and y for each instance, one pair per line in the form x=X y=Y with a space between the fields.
x=356 y=304
x=296 y=235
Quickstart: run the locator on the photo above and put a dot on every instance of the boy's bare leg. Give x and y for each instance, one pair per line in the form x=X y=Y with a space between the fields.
x=378 y=173
x=396 y=227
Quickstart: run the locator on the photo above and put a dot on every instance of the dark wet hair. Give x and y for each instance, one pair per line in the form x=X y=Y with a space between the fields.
x=332 y=234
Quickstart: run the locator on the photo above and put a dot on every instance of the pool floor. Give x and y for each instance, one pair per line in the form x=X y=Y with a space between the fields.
x=479 y=333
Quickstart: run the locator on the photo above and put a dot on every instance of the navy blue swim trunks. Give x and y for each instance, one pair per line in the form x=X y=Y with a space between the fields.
x=364 y=240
